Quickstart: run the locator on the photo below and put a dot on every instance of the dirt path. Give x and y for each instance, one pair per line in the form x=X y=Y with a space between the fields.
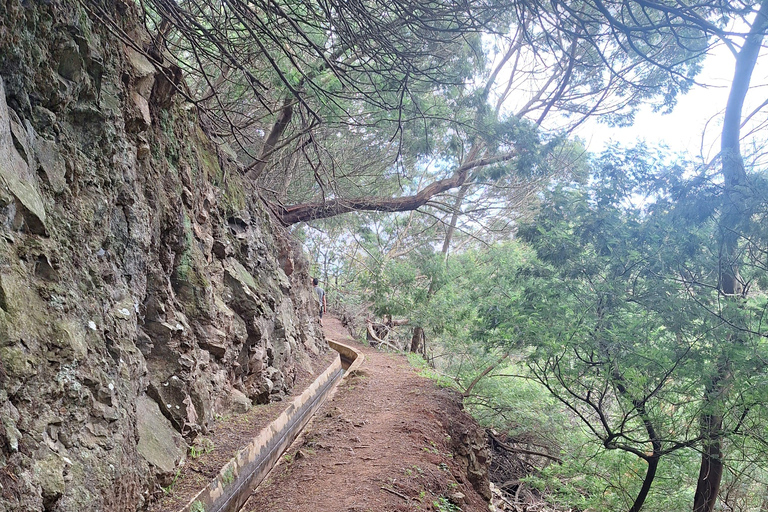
x=212 y=451
x=388 y=440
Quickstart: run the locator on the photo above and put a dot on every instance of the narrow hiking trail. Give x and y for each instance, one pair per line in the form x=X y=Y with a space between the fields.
x=388 y=440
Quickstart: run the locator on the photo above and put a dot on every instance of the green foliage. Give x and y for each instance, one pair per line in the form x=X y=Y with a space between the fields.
x=519 y=407
x=612 y=311
x=623 y=313
x=169 y=488
x=400 y=287
x=592 y=478
x=228 y=477
x=597 y=329
x=200 y=448
x=425 y=370
x=443 y=504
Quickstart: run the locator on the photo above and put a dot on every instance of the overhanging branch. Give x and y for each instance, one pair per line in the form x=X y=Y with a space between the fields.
x=312 y=211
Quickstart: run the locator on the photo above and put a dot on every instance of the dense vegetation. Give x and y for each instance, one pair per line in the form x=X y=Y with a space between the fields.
x=596 y=334
x=604 y=311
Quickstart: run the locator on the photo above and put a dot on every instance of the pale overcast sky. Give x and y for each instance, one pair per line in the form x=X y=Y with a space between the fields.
x=698 y=112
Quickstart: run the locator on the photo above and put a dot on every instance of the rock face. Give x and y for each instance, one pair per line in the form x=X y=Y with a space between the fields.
x=470 y=450
x=141 y=291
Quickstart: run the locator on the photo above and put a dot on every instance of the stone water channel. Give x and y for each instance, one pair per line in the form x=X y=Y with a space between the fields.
x=234 y=483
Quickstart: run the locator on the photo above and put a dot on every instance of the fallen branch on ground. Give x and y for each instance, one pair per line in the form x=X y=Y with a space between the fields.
x=395 y=493
x=376 y=339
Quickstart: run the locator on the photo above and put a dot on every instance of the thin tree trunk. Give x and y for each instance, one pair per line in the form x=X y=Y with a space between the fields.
x=653 y=460
x=475 y=150
x=483 y=374
x=650 y=474
x=653 y=437
x=711 y=469
x=454 y=219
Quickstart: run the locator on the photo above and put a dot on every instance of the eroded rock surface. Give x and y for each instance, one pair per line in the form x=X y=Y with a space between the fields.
x=138 y=299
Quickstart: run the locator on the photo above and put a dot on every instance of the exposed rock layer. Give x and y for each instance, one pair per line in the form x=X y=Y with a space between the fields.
x=141 y=291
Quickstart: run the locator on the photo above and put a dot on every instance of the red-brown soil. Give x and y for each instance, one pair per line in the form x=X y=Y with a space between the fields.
x=211 y=452
x=384 y=442
x=387 y=440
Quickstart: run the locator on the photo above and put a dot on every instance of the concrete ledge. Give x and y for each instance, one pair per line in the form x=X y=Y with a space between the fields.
x=232 y=486
x=351 y=358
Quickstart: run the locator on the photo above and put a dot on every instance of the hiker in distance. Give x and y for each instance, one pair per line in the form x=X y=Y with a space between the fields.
x=321 y=297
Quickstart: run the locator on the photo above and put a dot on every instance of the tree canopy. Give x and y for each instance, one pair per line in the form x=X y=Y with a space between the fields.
x=335 y=107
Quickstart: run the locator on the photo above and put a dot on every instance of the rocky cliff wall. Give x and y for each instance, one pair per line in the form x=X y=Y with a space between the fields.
x=142 y=291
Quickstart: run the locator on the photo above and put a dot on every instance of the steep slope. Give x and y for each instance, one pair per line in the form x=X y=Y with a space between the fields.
x=142 y=290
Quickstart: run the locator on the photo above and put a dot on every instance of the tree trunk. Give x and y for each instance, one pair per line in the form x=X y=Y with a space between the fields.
x=278 y=128
x=734 y=182
x=454 y=219
x=417 y=340
x=711 y=470
x=653 y=437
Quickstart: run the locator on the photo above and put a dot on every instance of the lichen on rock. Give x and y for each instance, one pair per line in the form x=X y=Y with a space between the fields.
x=140 y=294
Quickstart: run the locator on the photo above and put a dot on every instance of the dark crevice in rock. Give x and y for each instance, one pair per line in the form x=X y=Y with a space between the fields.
x=3 y=299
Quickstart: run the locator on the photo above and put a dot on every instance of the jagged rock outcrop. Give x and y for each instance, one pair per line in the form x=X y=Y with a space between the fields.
x=470 y=449
x=142 y=291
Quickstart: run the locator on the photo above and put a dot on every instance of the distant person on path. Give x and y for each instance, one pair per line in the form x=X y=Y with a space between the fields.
x=321 y=297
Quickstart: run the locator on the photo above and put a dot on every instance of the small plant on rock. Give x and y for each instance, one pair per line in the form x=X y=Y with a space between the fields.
x=202 y=447
x=443 y=504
